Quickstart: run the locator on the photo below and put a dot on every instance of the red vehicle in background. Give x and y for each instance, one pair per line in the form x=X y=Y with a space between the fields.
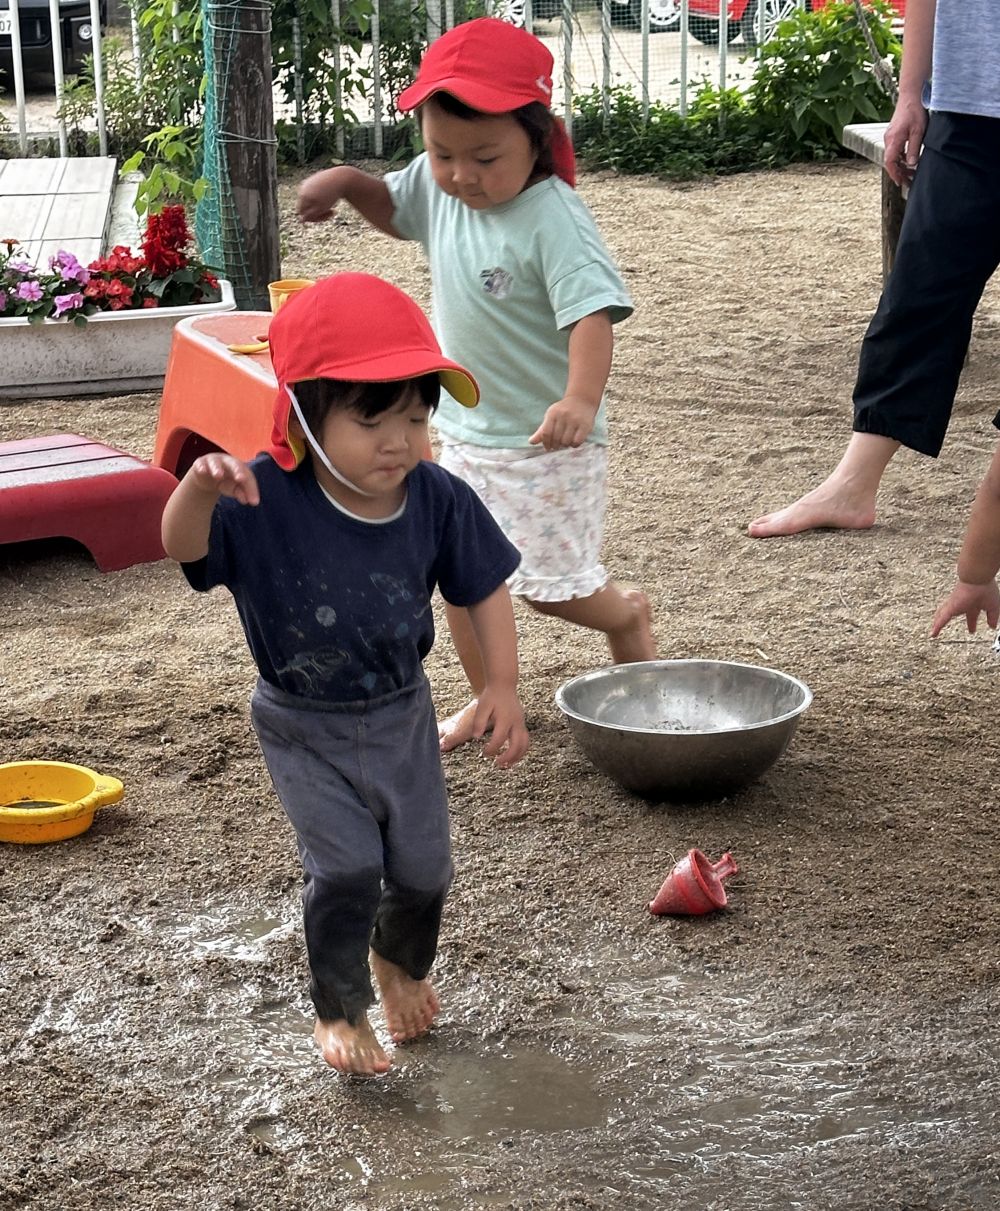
x=745 y=17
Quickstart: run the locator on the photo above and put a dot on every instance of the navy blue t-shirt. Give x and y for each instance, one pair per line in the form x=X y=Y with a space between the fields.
x=339 y=609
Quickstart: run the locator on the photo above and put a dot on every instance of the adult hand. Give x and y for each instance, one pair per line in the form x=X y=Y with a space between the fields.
x=566 y=424
x=500 y=711
x=904 y=138
x=224 y=475
x=970 y=600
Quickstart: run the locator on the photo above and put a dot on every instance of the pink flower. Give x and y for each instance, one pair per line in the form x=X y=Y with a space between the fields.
x=31 y=292
x=68 y=302
x=69 y=268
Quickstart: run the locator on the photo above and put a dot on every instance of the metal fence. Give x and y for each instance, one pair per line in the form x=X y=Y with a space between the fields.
x=663 y=50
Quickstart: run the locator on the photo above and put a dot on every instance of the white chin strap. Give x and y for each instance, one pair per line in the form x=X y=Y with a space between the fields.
x=318 y=450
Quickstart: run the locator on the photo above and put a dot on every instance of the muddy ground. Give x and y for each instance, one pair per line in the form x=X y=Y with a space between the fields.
x=827 y=1041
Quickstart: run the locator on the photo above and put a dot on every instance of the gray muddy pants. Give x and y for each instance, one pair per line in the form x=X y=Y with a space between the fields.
x=363 y=787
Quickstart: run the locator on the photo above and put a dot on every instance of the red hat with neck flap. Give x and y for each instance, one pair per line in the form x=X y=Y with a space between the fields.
x=356 y=328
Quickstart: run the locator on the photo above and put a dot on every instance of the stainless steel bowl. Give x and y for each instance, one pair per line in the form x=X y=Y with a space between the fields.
x=683 y=728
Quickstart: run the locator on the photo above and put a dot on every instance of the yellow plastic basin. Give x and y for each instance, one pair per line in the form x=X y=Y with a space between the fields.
x=51 y=800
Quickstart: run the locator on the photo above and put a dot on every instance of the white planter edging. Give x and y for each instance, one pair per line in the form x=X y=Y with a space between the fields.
x=116 y=352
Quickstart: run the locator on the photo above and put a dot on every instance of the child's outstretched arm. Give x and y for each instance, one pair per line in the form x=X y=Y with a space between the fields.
x=187 y=518
x=499 y=708
x=568 y=421
x=370 y=197
x=978 y=562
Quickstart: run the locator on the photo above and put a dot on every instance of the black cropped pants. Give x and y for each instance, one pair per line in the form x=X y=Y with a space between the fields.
x=949 y=247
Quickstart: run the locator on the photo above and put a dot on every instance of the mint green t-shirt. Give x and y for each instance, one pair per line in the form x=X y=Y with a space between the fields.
x=507 y=284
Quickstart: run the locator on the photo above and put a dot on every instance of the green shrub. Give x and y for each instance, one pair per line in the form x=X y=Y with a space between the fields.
x=402 y=38
x=814 y=77
x=721 y=134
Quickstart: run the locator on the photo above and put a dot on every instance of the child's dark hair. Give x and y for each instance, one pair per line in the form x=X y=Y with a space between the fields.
x=534 y=119
x=318 y=396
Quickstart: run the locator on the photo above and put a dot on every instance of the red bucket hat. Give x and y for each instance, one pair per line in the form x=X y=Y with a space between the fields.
x=492 y=66
x=357 y=328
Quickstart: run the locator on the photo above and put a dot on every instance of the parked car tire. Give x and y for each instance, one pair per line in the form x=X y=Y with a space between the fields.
x=663 y=14
x=775 y=11
x=707 y=31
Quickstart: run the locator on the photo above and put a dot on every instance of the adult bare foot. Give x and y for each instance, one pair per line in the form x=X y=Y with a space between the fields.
x=635 y=641
x=409 y=1005
x=457 y=729
x=352 y=1050
x=827 y=507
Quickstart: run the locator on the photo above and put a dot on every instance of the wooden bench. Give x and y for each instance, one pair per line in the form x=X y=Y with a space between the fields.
x=867 y=139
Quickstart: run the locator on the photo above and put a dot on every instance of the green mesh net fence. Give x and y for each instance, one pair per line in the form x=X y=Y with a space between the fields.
x=218 y=227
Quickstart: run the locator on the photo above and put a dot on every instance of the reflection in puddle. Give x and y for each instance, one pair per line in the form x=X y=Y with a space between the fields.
x=244 y=939
x=493 y=1094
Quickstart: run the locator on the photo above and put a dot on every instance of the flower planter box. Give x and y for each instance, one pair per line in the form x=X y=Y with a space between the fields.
x=114 y=353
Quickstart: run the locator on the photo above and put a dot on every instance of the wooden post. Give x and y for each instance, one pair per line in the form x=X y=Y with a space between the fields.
x=242 y=47
x=893 y=209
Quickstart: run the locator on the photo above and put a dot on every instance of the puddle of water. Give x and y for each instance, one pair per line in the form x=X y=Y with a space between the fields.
x=750 y=1087
x=477 y=1095
x=243 y=938
x=723 y=1078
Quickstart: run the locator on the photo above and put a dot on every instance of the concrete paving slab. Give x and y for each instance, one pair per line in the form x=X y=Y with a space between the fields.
x=58 y=203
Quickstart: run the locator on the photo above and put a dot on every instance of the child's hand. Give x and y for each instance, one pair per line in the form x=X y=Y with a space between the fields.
x=970 y=600
x=318 y=197
x=567 y=423
x=500 y=711
x=224 y=475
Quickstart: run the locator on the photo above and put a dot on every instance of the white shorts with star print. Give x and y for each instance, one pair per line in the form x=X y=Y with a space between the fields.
x=550 y=505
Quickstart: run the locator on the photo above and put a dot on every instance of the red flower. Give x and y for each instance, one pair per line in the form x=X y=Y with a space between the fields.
x=150 y=302
x=166 y=239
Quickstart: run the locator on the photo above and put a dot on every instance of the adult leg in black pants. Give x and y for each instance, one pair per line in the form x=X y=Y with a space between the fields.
x=913 y=352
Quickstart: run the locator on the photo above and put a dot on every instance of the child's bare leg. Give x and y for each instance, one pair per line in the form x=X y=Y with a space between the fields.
x=845 y=500
x=353 y=1050
x=622 y=614
x=410 y=1005
x=457 y=728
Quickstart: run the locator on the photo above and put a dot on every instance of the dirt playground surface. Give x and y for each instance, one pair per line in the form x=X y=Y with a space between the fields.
x=828 y=1041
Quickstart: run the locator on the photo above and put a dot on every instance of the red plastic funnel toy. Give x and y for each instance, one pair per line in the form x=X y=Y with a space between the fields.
x=694 y=885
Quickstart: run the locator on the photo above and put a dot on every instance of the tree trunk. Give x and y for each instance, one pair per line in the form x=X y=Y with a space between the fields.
x=245 y=152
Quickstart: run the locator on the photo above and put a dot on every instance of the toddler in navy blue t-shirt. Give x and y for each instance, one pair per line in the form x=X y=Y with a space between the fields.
x=332 y=543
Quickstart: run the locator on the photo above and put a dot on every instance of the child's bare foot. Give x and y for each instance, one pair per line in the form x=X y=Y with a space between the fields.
x=827 y=507
x=409 y=1005
x=634 y=641
x=353 y=1050
x=456 y=730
